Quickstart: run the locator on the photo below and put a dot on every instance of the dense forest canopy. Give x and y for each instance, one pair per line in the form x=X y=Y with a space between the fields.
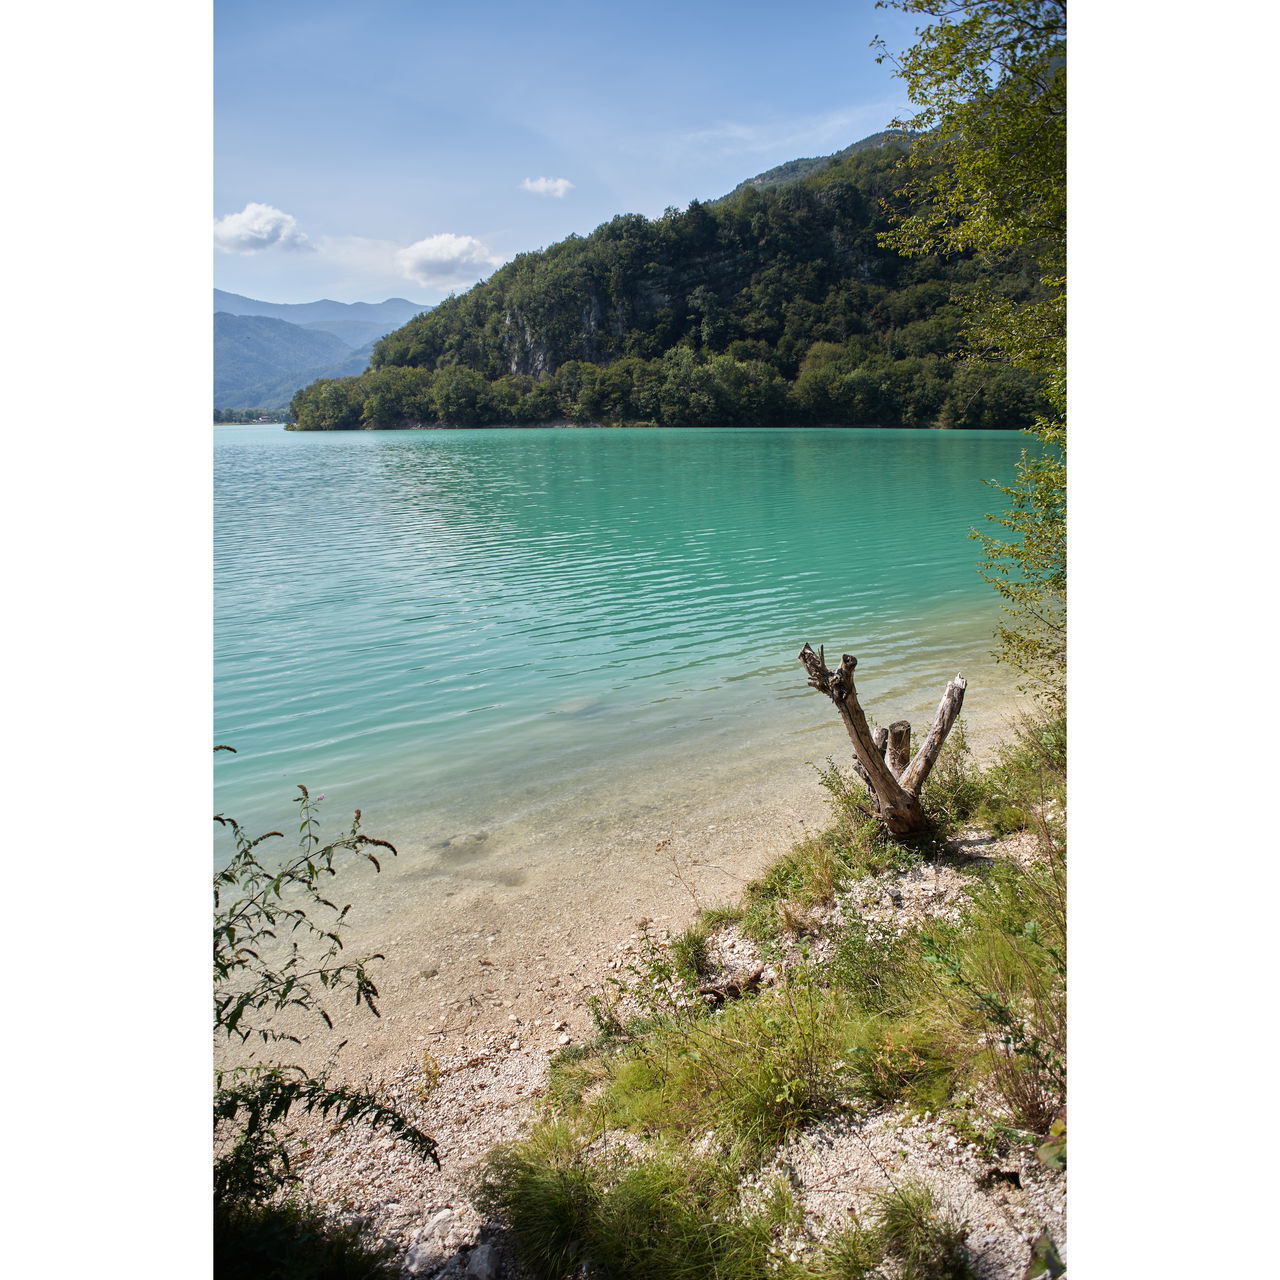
x=774 y=306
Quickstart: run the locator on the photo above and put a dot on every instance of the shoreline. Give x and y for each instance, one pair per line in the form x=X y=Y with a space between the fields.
x=567 y=424
x=475 y=947
x=464 y=1044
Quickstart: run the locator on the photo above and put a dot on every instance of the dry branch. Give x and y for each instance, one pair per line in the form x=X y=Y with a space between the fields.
x=880 y=758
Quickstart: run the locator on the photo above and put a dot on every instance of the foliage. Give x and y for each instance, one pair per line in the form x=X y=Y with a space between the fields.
x=773 y=306
x=1005 y=972
x=964 y=1018
x=1029 y=570
x=1045 y=1260
x=987 y=175
x=988 y=169
x=249 y=1104
x=277 y=949
x=254 y=904
x=926 y=1244
x=954 y=789
x=577 y=1210
x=292 y=1242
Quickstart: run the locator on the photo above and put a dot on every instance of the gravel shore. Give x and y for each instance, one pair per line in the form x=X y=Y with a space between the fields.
x=484 y=981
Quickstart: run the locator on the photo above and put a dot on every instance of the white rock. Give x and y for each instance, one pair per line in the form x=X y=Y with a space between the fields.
x=440 y=1223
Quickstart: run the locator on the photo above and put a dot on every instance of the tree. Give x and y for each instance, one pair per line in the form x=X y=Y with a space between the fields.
x=988 y=176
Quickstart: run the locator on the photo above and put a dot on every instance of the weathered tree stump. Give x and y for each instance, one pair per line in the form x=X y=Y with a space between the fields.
x=881 y=758
x=898 y=754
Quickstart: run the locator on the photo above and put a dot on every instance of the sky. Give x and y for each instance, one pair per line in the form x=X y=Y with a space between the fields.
x=406 y=148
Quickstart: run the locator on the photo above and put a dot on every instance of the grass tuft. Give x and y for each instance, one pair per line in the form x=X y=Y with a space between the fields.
x=691 y=954
x=573 y=1209
x=927 y=1243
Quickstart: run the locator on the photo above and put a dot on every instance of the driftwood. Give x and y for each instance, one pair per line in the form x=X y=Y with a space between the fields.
x=882 y=758
x=731 y=988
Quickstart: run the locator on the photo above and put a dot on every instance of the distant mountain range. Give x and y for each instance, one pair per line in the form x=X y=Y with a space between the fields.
x=264 y=351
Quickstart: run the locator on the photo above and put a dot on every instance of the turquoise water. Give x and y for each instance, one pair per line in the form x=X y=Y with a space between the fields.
x=466 y=631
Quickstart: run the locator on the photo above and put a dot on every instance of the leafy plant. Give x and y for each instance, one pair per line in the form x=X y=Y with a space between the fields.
x=277 y=948
x=258 y=908
x=1007 y=969
x=987 y=174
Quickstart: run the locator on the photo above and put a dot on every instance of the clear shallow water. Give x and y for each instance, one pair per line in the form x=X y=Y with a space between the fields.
x=483 y=632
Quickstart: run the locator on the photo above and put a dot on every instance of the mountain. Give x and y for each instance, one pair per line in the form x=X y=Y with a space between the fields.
x=794 y=170
x=774 y=305
x=264 y=351
x=259 y=362
x=333 y=317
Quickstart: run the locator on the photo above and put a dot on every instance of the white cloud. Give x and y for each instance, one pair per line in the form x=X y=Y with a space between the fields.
x=446 y=261
x=547 y=186
x=257 y=227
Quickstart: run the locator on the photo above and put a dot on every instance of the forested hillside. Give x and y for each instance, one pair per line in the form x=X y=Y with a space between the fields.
x=776 y=305
x=261 y=362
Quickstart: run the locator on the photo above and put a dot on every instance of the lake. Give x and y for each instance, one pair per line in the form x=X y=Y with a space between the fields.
x=489 y=638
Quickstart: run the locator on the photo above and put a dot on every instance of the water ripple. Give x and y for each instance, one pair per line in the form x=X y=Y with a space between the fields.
x=413 y=612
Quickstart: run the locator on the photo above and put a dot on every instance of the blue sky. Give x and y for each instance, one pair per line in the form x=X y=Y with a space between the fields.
x=402 y=148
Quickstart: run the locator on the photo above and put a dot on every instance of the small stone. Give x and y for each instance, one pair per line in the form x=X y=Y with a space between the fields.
x=440 y=1223
x=420 y=1257
x=483 y=1263
x=564 y=1039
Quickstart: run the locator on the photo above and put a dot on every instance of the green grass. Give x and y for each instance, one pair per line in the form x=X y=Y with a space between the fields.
x=576 y=1208
x=690 y=954
x=819 y=867
x=933 y=1018
x=926 y=1243
x=906 y=1229
x=754 y=1072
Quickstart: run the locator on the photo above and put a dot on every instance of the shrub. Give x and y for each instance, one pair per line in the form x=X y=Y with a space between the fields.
x=277 y=946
